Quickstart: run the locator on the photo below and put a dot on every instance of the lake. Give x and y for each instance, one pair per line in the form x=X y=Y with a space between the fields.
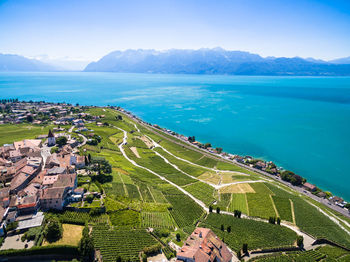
x=300 y=123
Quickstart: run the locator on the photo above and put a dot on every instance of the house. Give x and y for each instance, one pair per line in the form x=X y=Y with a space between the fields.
x=69 y=181
x=203 y=246
x=80 y=162
x=27 y=143
x=15 y=155
x=260 y=165
x=21 y=180
x=53 y=198
x=56 y=171
x=5 y=196
x=309 y=187
x=51 y=140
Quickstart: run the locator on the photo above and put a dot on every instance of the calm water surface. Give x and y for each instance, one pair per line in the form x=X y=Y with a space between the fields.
x=301 y=123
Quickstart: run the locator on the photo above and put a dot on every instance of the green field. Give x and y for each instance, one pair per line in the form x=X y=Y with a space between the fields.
x=10 y=133
x=239 y=202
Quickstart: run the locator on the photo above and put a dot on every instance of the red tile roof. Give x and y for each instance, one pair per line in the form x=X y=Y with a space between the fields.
x=203 y=246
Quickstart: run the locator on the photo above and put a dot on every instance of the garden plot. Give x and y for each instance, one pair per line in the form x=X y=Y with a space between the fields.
x=210 y=177
x=134 y=150
x=237 y=189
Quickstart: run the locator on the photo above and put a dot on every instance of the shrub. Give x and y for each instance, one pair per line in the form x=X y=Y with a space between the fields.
x=12 y=226
x=218 y=210
x=178 y=237
x=210 y=209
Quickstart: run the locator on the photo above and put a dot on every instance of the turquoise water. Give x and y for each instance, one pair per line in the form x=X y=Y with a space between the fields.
x=301 y=123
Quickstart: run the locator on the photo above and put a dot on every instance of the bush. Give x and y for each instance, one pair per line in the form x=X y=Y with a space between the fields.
x=12 y=226
x=178 y=237
x=162 y=232
x=151 y=250
x=210 y=209
x=54 y=149
x=218 y=210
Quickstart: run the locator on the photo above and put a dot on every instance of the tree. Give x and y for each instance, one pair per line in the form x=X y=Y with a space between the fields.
x=206 y=145
x=30 y=118
x=278 y=221
x=300 y=241
x=61 y=141
x=53 y=230
x=210 y=209
x=245 y=248
x=222 y=227
x=218 y=210
x=119 y=117
x=219 y=150
x=228 y=229
x=86 y=246
x=119 y=259
x=272 y=220
x=178 y=237
x=239 y=254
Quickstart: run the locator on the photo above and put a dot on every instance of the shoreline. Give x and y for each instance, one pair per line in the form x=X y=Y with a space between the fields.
x=325 y=201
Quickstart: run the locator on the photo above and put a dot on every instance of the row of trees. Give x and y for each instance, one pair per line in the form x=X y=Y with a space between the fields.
x=292 y=178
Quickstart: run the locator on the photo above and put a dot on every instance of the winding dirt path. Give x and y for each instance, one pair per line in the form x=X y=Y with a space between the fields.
x=307 y=239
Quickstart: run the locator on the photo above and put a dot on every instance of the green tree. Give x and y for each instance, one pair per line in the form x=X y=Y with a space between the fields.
x=300 y=241
x=210 y=209
x=178 y=237
x=219 y=150
x=30 y=118
x=86 y=246
x=53 y=230
x=245 y=248
x=228 y=229
x=222 y=227
x=61 y=141
x=278 y=221
x=218 y=210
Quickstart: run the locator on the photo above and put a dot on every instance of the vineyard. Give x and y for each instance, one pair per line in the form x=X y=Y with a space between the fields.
x=201 y=191
x=157 y=220
x=184 y=210
x=80 y=218
x=124 y=243
x=256 y=234
x=307 y=256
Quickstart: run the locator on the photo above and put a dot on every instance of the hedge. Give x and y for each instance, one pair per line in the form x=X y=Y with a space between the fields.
x=38 y=250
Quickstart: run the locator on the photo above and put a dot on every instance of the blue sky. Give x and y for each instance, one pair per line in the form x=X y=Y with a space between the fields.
x=86 y=29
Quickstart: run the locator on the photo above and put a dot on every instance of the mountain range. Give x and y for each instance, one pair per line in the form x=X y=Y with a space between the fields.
x=214 y=61
x=21 y=63
x=186 y=61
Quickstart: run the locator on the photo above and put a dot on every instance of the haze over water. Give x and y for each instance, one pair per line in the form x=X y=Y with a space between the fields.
x=300 y=123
